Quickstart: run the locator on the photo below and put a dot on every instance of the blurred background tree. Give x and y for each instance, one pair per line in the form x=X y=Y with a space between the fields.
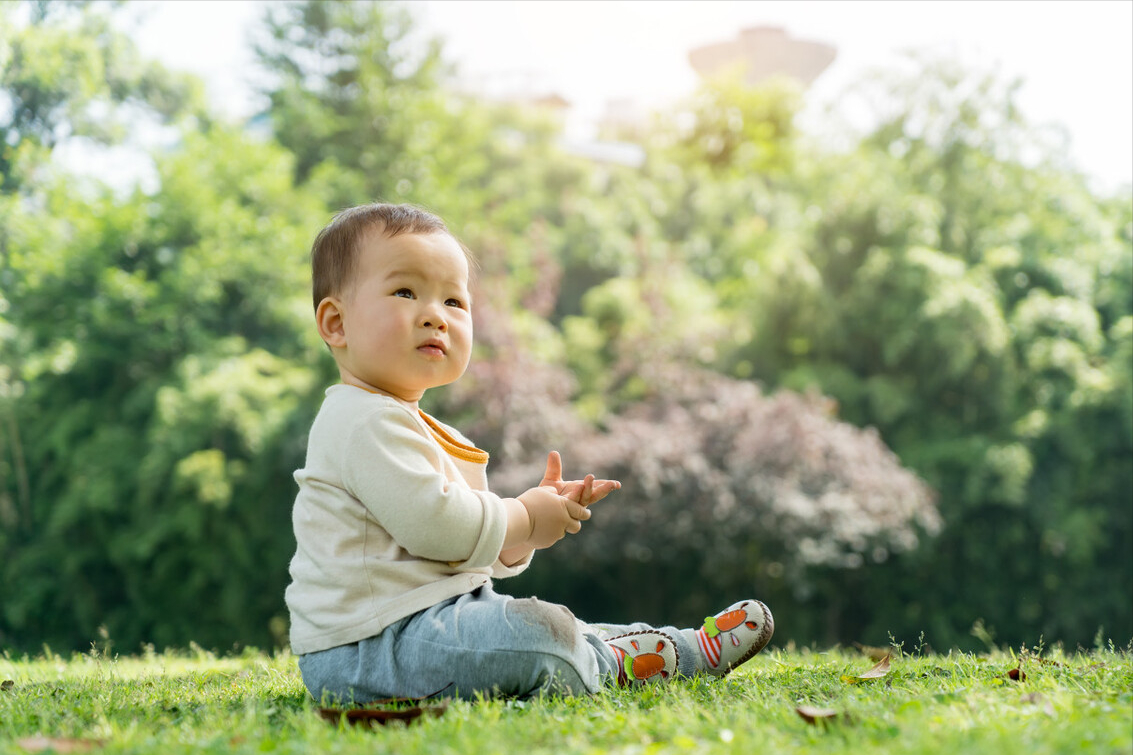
x=888 y=389
x=965 y=303
x=155 y=355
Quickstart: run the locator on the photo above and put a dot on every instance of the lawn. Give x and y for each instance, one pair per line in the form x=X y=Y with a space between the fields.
x=195 y=701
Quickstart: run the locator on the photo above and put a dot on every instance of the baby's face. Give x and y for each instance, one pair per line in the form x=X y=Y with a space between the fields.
x=408 y=320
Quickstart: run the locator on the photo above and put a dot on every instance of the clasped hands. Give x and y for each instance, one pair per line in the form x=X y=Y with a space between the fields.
x=557 y=506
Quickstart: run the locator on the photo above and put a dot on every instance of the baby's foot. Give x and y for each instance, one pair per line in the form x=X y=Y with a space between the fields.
x=644 y=657
x=733 y=636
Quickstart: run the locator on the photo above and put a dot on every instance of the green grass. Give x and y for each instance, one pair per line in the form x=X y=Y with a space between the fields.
x=256 y=703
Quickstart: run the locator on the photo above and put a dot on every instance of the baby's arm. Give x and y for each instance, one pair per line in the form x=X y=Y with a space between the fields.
x=539 y=518
x=389 y=459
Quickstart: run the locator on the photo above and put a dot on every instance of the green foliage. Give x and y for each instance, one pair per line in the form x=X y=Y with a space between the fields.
x=69 y=74
x=155 y=401
x=160 y=401
x=944 y=280
x=348 y=90
x=731 y=130
x=963 y=304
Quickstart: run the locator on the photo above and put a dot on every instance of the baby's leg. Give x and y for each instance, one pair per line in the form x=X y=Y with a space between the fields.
x=720 y=644
x=480 y=643
x=686 y=651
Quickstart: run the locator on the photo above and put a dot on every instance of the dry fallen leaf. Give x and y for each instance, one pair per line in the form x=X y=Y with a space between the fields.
x=381 y=712
x=816 y=715
x=381 y=716
x=6 y=685
x=878 y=671
x=40 y=743
x=1045 y=661
x=1017 y=675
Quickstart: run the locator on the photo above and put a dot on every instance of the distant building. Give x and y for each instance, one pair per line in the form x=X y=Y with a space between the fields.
x=764 y=51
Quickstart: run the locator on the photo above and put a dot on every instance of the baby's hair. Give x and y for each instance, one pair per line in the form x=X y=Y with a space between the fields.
x=334 y=254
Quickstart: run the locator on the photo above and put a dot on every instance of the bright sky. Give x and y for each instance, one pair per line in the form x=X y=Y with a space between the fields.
x=1075 y=56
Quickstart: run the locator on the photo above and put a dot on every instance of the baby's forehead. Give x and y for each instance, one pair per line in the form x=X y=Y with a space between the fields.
x=415 y=252
x=378 y=234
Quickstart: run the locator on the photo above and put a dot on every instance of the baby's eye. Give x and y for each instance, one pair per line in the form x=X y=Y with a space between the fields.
x=454 y=303
x=404 y=293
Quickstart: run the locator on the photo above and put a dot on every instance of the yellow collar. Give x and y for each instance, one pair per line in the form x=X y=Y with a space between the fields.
x=451 y=445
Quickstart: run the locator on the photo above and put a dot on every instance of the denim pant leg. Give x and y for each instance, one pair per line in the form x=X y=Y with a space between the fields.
x=477 y=644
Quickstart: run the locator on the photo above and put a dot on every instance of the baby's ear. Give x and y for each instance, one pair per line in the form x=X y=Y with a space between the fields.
x=328 y=319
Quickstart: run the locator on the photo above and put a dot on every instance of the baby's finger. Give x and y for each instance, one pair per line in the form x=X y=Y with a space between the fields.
x=574 y=527
x=554 y=471
x=586 y=497
x=578 y=511
x=603 y=488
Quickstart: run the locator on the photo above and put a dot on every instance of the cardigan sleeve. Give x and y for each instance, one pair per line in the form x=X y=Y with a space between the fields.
x=394 y=469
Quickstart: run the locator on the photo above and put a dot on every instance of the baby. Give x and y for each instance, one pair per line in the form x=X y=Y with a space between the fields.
x=398 y=536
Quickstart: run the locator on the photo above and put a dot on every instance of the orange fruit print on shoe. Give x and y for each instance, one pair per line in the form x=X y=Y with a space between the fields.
x=645 y=665
x=644 y=657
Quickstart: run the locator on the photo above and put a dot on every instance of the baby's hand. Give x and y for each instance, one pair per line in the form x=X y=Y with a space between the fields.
x=586 y=491
x=552 y=516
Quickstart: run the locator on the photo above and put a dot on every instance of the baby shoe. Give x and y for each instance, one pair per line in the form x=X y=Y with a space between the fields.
x=644 y=657
x=733 y=636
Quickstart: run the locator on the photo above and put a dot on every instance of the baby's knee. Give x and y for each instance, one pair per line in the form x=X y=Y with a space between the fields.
x=559 y=660
x=540 y=624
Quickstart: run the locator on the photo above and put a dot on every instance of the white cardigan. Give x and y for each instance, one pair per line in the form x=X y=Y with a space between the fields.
x=393 y=515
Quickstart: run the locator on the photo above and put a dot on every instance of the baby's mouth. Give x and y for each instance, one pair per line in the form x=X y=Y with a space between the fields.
x=433 y=348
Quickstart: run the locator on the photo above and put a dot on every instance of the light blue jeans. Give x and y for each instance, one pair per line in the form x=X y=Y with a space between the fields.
x=478 y=644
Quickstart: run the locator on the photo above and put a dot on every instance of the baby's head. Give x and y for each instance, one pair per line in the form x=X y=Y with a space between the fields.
x=390 y=289
x=334 y=255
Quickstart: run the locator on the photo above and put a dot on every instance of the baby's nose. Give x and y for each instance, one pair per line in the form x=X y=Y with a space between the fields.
x=433 y=319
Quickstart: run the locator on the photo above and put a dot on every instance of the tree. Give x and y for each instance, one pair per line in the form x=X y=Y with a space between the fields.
x=349 y=92
x=163 y=369
x=159 y=370
x=966 y=304
x=67 y=74
x=365 y=109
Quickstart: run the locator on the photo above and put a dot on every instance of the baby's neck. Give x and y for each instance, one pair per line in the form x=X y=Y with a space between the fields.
x=382 y=392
